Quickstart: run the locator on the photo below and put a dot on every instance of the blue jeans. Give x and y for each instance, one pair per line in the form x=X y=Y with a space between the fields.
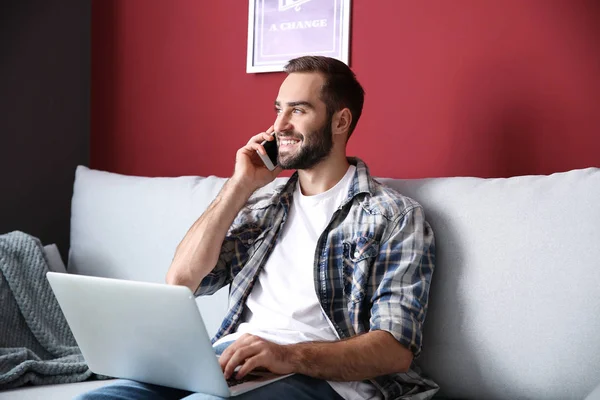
x=295 y=387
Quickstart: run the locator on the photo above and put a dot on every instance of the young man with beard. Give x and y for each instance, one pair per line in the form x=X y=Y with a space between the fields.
x=330 y=274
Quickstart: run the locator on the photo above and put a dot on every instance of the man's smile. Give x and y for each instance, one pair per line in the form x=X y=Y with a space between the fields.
x=288 y=144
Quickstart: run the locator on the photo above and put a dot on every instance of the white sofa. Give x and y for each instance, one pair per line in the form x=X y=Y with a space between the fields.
x=515 y=299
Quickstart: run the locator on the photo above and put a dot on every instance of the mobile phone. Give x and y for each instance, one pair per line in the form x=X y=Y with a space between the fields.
x=270 y=160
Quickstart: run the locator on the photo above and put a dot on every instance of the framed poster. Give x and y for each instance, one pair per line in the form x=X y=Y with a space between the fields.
x=279 y=30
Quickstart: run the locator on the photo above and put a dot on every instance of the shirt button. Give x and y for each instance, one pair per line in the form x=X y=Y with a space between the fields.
x=250 y=241
x=356 y=254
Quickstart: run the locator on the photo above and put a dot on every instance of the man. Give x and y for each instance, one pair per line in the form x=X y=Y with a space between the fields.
x=329 y=274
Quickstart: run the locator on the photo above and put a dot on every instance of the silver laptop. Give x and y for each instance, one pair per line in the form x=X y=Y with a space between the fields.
x=146 y=332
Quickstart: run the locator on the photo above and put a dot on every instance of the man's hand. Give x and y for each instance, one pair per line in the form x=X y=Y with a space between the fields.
x=252 y=352
x=250 y=171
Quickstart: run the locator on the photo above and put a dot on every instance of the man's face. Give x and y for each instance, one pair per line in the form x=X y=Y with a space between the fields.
x=303 y=127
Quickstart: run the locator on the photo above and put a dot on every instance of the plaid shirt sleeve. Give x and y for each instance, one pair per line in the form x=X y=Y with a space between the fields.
x=220 y=275
x=233 y=253
x=403 y=269
x=234 y=250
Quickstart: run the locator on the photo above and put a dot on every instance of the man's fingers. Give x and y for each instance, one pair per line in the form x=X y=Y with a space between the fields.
x=231 y=349
x=239 y=357
x=259 y=148
x=250 y=151
x=226 y=355
x=254 y=146
x=268 y=135
x=250 y=365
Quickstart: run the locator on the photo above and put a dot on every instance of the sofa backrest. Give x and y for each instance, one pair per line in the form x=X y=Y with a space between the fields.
x=514 y=296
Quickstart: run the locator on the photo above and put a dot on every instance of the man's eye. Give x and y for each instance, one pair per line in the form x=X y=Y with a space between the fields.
x=278 y=111
x=298 y=111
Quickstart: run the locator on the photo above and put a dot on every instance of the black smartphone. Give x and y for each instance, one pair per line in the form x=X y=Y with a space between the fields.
x=270 y=160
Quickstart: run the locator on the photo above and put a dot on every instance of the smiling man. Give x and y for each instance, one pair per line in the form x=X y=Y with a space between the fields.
x=329 y=274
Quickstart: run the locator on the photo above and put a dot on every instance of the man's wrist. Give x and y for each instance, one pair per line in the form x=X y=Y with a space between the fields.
x=297 y=357
x=241 y=187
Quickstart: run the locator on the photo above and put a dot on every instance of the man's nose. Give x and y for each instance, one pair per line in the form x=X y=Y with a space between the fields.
x=282 y=123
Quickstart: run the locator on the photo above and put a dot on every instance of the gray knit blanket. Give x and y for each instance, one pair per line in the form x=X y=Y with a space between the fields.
x=36 y=344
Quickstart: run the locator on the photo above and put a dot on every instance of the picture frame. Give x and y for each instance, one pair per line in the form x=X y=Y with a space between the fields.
x=279 y=30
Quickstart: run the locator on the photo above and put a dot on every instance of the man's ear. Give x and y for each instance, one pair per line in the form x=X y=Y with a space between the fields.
x=341 y=121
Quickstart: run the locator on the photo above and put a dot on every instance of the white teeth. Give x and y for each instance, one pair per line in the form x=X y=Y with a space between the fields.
x=288 y=142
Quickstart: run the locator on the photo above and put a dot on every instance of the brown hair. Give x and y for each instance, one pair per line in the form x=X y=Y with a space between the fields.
x=341 y=89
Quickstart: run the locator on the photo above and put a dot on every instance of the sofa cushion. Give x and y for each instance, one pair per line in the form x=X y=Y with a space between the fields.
x=53 y=392
x=516 y=291
x=128 y=227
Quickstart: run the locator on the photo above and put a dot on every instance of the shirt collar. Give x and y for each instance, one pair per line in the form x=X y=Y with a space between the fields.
x=361 y=182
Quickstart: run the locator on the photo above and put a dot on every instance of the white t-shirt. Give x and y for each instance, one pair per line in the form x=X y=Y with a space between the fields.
x=283 y=306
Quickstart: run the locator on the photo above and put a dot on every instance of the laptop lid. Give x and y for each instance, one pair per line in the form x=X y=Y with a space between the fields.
x=146 y=332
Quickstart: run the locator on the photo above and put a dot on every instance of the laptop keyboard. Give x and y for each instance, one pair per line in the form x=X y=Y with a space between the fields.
x=233 y=382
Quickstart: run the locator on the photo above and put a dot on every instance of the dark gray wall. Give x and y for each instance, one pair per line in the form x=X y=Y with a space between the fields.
x=44 y=113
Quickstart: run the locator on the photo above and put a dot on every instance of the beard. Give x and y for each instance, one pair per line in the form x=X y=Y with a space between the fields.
x=312 y=150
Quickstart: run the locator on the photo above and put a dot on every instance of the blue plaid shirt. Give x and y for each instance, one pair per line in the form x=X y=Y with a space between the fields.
x=372 y=270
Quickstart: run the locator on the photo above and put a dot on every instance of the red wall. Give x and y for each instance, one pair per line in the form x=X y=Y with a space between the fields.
x=465 y=87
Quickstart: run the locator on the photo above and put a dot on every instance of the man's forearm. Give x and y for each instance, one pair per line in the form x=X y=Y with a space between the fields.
x=362 y=357
x=198 y=252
